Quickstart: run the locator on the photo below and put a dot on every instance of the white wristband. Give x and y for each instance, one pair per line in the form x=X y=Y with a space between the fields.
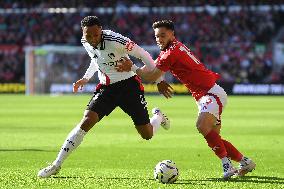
x=134 y=68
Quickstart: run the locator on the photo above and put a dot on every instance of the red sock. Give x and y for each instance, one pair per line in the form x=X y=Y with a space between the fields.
x=216 y=144
x=233 y=153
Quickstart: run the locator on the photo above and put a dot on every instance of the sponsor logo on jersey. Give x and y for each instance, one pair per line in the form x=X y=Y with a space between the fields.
x=95 y=56
x=112 y=63
x=111 y=55
x=129 y=45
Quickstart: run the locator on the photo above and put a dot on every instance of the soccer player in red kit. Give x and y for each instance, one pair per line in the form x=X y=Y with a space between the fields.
x=201 y=82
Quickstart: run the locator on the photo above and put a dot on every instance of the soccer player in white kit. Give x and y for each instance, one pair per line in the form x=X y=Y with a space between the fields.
x=123 y=89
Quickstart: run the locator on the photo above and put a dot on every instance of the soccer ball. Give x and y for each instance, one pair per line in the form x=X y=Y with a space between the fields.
x=166 y=172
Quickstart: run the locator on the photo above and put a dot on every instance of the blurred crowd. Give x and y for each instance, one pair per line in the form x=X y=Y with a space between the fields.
x=129 y=3
x=235 y=44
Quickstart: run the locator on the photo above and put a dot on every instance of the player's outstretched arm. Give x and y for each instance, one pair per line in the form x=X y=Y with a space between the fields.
x=93 y=67
x=79 y=84
x=150 y=75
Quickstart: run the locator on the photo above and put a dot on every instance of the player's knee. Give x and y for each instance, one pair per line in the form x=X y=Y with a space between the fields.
x=198 y=125
x=146 y=131
x=201 y=127
x=147 y=137
x=88 y=122
x=205 y=122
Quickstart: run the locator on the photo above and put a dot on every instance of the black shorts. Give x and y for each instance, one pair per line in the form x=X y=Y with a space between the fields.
x=127 y=94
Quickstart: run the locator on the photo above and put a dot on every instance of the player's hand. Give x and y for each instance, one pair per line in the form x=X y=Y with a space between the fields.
x=165 y=89
x=124 y=65
x=79 y=84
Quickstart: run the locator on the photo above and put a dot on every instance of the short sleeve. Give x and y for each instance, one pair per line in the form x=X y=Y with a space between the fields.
x=163 y=62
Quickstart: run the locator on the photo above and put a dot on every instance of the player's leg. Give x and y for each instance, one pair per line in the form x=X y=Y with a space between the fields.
x=98 y=107
x=148 y=130
x=75 y=137
x=233 y=153
x=159 y=119
x=210 y=108
x=205 y=128
x=246 y=164
x=205 y=125
x=134 y=104
x=145 y=131
x=136 y=107
x=214 y=106
x=73 y=140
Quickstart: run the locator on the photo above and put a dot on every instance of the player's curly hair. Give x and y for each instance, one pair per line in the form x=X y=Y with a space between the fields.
x=164 y=23
x=90 y=21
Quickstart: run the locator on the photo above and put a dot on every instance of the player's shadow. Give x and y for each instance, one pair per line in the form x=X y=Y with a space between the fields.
x=251 y=179
x=126 y=178
x=92 y=177
x=247 y=179
x=25 y=150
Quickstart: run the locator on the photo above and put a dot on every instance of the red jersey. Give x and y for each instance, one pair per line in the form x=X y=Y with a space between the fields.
x=179 y=60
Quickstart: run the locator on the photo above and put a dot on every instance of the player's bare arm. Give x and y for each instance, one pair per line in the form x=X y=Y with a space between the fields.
x=127 y=65
x=152 y=75
x=149 y=75
x=79 y=84
x=165 y=89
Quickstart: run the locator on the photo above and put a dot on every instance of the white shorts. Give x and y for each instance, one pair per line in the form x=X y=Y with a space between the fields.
x=213 y=102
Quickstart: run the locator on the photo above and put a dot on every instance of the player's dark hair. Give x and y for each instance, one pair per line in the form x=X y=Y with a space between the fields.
x=164 y=23
x=90 y=21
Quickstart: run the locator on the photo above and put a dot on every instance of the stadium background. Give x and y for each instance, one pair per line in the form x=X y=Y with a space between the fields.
x=241 y=40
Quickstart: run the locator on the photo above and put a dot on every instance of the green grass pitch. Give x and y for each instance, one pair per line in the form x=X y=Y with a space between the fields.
x=113 y=155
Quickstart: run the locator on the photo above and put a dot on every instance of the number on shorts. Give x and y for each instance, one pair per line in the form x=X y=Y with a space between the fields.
x=143 y=101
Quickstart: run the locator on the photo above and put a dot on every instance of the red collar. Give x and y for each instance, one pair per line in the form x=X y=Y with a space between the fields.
x=172 y=43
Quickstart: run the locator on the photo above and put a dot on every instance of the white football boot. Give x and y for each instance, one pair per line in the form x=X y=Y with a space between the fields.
x=48 y=171
x=165 y=120
x=246 y=165
x=229 y=170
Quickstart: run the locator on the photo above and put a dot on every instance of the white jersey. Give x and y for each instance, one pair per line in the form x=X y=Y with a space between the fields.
x=109 y=51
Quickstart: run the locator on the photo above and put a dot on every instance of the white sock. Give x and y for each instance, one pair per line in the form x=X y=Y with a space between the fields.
x=156 y=122
x=72 y=141
x=226 y=160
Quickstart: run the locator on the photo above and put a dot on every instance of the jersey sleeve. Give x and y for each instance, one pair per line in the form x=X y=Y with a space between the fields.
x=87 y=48
x=126 y=46
x=91 y=69
x=138 y=52
x=164 y=62
x=132 y=49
